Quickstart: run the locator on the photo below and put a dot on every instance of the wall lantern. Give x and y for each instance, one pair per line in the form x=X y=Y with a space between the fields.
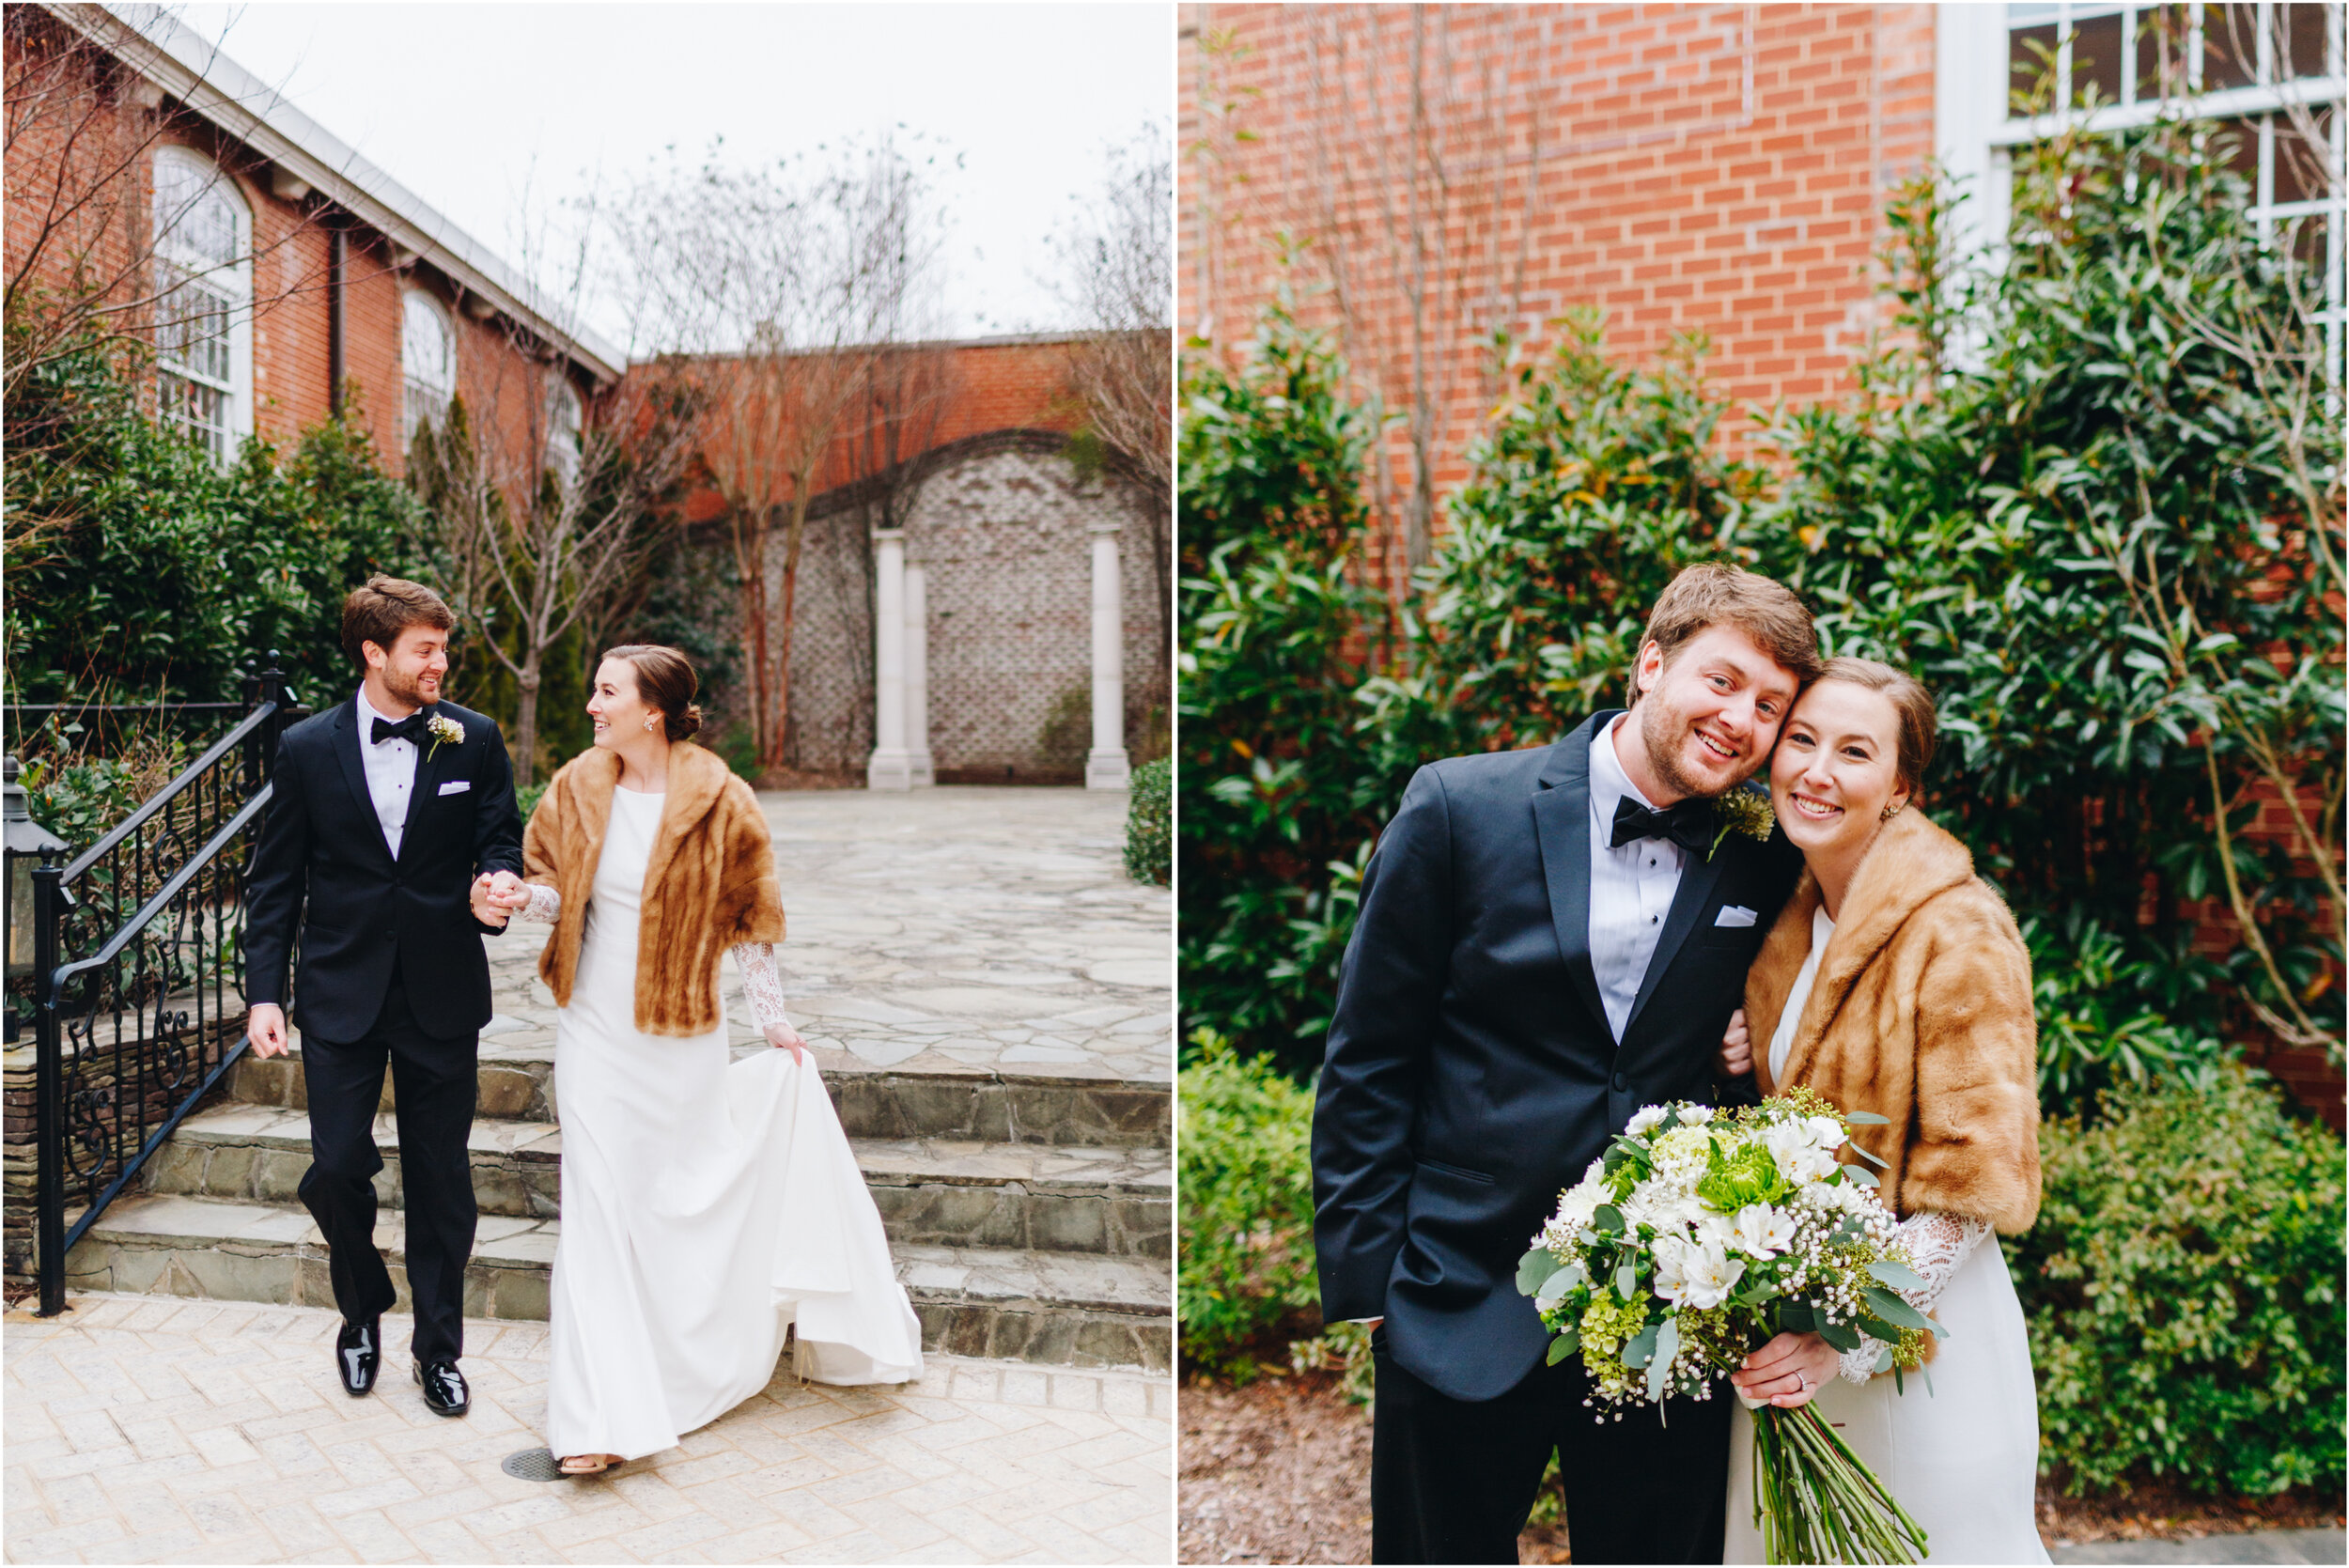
x=27 y=841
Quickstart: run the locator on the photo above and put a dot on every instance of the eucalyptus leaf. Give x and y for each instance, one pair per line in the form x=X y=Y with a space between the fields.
x=1898 y=1275
x=1892 y=1309
x=1843 y=1336
x=1866 y=1118
x=1534 y=1269
x=1659 y=1365
x=1641 y=1348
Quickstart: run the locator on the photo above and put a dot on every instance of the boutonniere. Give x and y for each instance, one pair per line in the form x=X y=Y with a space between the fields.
x=1743 y=810
x=440 y=727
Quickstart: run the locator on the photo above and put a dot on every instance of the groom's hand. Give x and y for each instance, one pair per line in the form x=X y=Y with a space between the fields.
x=1788 y=1371
x=265 y=1027
x=1736 y=1048
x=485 y=908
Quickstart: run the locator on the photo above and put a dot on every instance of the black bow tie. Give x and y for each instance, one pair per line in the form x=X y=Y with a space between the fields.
x=1687 y=823
x=408 y=729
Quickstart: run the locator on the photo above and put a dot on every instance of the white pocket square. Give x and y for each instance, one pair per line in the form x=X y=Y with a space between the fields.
x=1734 y=914
x=459 y=787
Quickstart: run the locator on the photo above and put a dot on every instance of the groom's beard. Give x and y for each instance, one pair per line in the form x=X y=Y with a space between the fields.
x=410 y=688
x=1662 y=728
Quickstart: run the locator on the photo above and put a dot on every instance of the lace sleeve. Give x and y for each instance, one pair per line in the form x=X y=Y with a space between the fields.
x=761 y=983
x=1938 y=1244
x=544 y=906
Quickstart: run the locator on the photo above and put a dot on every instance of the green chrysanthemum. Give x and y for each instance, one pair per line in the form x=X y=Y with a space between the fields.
x=1743 y=810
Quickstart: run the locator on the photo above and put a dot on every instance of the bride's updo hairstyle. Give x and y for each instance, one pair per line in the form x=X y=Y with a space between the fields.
x=664 y=681
x=1913 y=746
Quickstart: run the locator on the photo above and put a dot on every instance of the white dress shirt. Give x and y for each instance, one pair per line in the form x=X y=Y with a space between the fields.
x=1631 y=888
x=391 y=772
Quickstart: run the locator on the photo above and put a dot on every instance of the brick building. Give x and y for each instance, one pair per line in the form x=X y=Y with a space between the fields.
x=1445 y=172
x=282 y=278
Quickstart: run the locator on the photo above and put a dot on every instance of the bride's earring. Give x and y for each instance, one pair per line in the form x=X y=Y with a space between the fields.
x=649 y=724
x=1891 y=812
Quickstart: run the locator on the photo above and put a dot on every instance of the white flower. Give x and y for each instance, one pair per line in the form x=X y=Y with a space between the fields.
x=445 y=731
x=1761 y=1232
x=1696 y=1116
x=1672 y=1266
x=1700 y=1277
x=1645 y=1118
x=1826 y=1131
x=1797 y=1154
x=1580 y=1201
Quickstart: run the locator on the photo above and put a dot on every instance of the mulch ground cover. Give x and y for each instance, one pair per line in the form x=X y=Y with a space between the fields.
x=1279 y=1472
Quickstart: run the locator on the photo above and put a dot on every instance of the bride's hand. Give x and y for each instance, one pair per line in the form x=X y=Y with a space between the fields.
x=486 y=907
x=1788 y=1371
x=1736 y=1048
x=783 y=1037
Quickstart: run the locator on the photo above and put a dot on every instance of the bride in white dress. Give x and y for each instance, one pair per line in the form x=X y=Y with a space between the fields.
x=1912 y=999
x=709 y=1206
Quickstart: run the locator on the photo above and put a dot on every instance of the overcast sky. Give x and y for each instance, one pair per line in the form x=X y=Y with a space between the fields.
x=493 y=113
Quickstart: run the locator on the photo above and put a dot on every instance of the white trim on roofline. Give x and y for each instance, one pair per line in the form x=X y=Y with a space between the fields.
x=177 y=60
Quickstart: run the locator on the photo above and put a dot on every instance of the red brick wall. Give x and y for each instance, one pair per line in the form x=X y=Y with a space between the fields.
x=1686 y=168
x=92 y=143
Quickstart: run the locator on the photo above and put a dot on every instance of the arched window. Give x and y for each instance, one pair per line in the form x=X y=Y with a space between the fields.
x=204 y=298
x=428 y=363
x=567 y=428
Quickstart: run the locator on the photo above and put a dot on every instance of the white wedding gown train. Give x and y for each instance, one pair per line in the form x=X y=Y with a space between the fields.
x=708 y=1205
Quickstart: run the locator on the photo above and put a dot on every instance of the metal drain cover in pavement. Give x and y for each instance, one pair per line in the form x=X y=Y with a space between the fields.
x=532 y=1465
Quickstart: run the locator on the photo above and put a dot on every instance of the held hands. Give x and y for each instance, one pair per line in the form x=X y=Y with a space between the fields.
x=496 y=895
x=265 y=1027
x=783 y=1037
x=1736 y=1058
x=1788 y=1372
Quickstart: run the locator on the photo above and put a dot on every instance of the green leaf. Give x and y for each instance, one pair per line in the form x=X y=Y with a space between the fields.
x=1659 y=1365
x=1555 y=1289
x=1534 y=1269
x=1843 y=1336
x=1892 y=1309
x=1859 y=1175
x=1640 y=1348
x=1562 y=1346
x=1866 y=1118
x=1627 y=1281
x=1898 y=1275
x=1607 y=1220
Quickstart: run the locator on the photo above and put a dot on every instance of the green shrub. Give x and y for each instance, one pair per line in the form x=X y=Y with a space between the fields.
x=1149 y=823
x=2184 y=1286
x=1247 y=1202
x=526 y=800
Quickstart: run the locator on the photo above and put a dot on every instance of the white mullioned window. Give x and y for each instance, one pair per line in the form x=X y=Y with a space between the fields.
x=428 y=363
x=567 y=428
x=2249 y=69
x=204 y=302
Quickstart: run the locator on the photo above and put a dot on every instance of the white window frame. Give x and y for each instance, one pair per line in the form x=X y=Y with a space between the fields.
x=228 y=279
x=566 y=416
x=414 y=390
x=1976 y=135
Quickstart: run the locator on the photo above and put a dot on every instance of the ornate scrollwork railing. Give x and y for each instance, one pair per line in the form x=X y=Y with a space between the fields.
x=139 y=964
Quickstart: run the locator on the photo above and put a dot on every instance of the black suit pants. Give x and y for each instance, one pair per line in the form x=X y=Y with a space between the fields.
x=434 y=1086
x=1452 y=1481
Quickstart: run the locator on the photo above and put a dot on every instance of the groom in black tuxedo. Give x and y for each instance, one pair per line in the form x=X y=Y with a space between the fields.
x=384 y=809
x=1549 y=939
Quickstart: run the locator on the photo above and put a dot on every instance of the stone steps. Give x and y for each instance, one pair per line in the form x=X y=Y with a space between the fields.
x=939 y=1192
x=1053 y=1307
x=979 y=1105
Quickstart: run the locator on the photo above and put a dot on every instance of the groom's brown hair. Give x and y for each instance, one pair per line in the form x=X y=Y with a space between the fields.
x=386 y=607
x=1765 y=609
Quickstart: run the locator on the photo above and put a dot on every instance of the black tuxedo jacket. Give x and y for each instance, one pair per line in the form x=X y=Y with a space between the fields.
x=368 y=913
x=1471 y=1075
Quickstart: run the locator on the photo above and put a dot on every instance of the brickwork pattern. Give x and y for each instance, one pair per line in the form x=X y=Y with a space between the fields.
x=1002 y=536
x=147 y=1430
x=1714 y=168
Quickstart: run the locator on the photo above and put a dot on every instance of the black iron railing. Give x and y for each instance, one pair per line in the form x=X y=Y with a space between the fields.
x=139 y=976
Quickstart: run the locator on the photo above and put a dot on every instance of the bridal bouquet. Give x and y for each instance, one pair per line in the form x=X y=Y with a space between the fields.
x=1700 y=1235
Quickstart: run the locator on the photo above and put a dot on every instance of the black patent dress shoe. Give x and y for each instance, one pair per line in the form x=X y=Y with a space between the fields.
x=445 y=1391
x=358 y=1351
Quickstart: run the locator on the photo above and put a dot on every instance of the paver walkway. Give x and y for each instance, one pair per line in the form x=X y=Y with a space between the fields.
x=941 y=929
x=2264 y=1546
x=146 y=1429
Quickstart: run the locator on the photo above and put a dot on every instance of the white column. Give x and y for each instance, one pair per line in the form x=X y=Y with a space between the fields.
x=918 y=679
x=890 y=766
x=1105 y=764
